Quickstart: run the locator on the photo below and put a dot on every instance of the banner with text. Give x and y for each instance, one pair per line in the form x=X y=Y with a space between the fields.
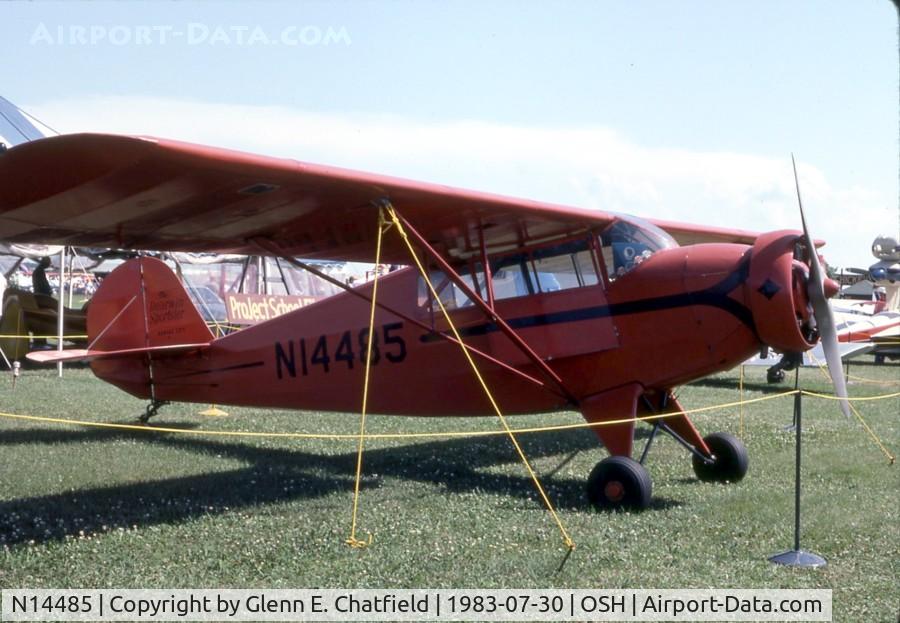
x=255 y=308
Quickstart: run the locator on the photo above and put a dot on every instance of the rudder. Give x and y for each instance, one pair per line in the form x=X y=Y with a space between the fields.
x=140 y=305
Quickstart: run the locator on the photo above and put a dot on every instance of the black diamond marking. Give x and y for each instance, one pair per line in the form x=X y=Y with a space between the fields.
x=769 y=289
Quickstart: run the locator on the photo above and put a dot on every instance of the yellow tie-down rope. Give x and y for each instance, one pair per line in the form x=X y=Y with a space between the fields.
x=396 y=436
x=42 y=337
x=352 y=541
x=890 y=457
x=570 y=544
x=432 y=435
x=218 y=330
x=866 y=381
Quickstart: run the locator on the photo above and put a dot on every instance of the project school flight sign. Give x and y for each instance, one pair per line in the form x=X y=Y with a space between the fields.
x=246 y=309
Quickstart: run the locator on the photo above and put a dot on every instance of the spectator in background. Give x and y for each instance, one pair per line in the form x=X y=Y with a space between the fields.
x=39 y=282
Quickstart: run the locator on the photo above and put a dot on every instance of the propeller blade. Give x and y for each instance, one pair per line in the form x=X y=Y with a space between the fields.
x=824 y=319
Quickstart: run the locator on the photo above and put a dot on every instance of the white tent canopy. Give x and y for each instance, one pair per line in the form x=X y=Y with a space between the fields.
x=31 y=251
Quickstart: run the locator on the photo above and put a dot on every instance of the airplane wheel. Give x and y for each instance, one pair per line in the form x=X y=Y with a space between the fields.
x=619 y=482
x=879 y=359
x=731 y=459
x=774 y=375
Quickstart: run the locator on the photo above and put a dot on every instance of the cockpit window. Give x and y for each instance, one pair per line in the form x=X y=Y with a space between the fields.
x=544 y=269
x=628 y=242
x=512 y=276
x=564 y=266
x=450 y=294
x=549 y=268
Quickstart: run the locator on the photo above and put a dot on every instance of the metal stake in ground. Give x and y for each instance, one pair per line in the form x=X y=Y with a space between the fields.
x=797 y=557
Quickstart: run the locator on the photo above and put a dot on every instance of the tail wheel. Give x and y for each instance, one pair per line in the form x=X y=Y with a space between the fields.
x=619 y=482
x=730 y=459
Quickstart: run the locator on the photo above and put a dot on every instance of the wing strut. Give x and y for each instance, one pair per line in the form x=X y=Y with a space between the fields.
x=270 y=247
x=453 y=275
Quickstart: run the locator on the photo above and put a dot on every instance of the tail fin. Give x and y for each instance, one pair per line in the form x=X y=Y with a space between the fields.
x=142 y=305
x=141 y=313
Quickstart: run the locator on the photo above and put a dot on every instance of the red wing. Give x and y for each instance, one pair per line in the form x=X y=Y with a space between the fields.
x=144 y=193
x=687 y=234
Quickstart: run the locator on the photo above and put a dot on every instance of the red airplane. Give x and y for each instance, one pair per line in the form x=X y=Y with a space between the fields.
x=561 y=308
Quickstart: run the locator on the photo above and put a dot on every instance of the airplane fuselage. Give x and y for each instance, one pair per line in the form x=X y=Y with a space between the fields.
x=679 y=316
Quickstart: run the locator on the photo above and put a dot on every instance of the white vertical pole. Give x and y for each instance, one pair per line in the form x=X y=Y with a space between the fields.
x=259 y=274
x=71 y=272
x=61 y=307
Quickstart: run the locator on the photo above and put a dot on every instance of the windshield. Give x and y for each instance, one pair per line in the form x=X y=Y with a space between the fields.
x=628 y=242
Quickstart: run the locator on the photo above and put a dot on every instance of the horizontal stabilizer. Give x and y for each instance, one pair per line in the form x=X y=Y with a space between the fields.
x=81 y=354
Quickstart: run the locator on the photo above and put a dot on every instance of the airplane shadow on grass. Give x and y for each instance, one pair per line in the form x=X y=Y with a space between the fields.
x=274 y=475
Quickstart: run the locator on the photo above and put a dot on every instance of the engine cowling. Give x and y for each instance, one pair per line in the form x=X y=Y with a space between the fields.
x=777 y=292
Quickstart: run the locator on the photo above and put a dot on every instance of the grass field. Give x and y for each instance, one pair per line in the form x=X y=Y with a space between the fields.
x=93 y=507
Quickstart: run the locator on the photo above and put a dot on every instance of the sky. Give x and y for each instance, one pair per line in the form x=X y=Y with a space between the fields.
x=686 y=111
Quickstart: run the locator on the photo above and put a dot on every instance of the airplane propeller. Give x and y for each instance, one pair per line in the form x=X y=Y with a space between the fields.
x=815 y=287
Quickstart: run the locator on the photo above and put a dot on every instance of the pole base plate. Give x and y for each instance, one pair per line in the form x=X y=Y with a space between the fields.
x=798 y=558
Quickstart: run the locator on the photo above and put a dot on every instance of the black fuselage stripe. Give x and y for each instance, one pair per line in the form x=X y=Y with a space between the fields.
x=240 y=366
x=715 y=296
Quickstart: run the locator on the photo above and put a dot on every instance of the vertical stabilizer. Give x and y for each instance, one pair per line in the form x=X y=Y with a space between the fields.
x=142 y=304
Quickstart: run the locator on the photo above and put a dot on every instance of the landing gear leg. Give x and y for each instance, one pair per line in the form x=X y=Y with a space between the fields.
x=618 y=481
x=718 y=457
x=152 y=409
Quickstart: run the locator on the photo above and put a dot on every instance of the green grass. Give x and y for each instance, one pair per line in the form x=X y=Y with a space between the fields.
x=89 y=507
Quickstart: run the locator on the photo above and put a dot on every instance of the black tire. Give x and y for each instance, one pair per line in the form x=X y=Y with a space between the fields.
x=619 y=482
x=730 y=459
x=879 y=359
x=774 y=375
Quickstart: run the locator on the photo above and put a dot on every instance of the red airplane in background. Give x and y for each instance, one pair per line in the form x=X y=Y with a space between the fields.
x=560 y=308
